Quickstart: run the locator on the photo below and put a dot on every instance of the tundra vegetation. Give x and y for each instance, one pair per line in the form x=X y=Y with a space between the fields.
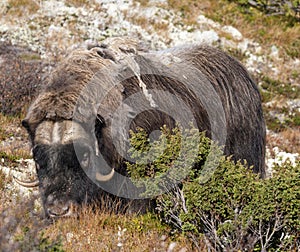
x=234 y=211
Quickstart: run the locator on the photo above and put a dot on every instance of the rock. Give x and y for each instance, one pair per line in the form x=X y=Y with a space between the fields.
x=274 y=52
x=233 y=32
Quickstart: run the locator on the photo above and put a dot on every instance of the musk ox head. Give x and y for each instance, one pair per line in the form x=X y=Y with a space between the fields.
x=63 y=182
x=79 y=123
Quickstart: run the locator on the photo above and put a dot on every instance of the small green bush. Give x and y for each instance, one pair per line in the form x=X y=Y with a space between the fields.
x=164 y=162
x=234 y=210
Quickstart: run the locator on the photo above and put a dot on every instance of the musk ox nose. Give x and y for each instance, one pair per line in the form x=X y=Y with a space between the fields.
x=58 y=208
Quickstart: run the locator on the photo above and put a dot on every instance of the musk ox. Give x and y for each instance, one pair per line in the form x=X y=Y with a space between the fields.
x=79 y=123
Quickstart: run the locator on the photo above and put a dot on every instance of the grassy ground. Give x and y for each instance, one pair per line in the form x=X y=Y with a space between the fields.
x=96 y=231
x=268 y=30
x=93 y=231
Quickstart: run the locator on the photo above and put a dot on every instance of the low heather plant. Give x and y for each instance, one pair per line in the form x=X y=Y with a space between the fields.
x=21 y=72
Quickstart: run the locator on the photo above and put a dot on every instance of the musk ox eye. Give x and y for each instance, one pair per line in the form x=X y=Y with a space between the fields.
x=85 y=160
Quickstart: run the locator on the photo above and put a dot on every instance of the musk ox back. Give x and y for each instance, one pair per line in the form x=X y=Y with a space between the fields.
x=79 y=124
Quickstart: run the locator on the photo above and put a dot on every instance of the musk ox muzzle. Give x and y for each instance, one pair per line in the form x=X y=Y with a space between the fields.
x=79 y=123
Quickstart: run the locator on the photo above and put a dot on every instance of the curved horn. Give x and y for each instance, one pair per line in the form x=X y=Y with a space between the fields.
x=100 y=177
x=27 y=184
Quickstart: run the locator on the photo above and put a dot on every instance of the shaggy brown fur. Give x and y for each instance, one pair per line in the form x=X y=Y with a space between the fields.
x=101 y=78
x=239 y=94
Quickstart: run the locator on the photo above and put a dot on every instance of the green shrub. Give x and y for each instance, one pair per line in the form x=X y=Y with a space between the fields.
x=234 y=210
x=164 y=161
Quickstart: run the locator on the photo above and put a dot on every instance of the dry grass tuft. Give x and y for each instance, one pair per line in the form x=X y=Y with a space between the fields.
x=14 y=140
x=97 y=230
x=2 y=180
x=19 y=7
x=190 y=9
x=292 y=135
x=77 y=3
x=288 y=140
